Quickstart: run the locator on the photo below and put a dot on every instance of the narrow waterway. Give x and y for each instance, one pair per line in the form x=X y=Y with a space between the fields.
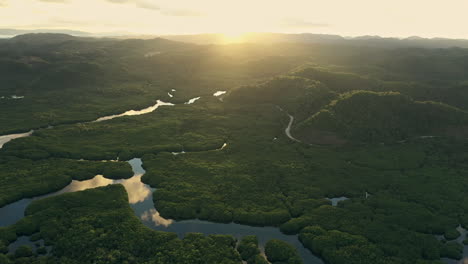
x=193 y=100
x=287 y=131
x=463 y=235
x=6 y=138
x=141 y=201
x=219 y=93
x=135 y=112
x=336 y=200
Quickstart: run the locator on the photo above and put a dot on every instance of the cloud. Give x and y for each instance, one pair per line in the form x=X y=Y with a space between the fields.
x=298 y=23
x=54 y=1
x=181 y=12
x=149 y=4
x=139 y=3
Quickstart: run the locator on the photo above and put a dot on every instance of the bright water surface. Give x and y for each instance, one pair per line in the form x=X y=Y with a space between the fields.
x=140 y=199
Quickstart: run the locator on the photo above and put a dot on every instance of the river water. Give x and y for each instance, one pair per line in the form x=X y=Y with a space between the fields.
x=6 y=138
x=141 y=201
x=135 y=112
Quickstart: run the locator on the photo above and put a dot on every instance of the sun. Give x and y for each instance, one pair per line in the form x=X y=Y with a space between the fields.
x=233 y=36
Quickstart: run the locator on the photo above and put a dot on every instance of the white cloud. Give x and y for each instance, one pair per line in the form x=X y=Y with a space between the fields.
x=151 y=4
x=54 y=1
x=301 y=24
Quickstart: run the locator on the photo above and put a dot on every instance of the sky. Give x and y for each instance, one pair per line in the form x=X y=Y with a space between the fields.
x=389 y=18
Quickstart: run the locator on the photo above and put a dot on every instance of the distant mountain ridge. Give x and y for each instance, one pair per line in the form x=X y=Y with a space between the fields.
x=265 y=38
x=15 y=32
x=377 y=41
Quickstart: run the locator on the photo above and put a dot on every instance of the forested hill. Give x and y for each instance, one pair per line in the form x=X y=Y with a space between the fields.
x=383 y=116
x=332 y=106
x=358 y=150
x=309 y=38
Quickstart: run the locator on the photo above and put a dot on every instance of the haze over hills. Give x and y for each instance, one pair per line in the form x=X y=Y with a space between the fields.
x=15 y=32
x=254 y=142
x=233 y=132
x=265 y=38
x=323 y=38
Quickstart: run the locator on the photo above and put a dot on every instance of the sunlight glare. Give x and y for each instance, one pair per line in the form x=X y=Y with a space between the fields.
x=233 y=37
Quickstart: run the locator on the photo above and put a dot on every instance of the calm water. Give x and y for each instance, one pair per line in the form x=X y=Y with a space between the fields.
x=6 y=138
x=219 y=93
x=460 y=239
x=287 y=131
x=140 y=199
x=135 y=112
x=25 y=241
x=336 y=200
x=193 y=100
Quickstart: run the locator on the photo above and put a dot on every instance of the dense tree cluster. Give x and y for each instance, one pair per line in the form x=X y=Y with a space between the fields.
x=98 y=226
x=385 y=116
x=393 y=120
x=24 y=178
x=249 y=251
x=278 y=251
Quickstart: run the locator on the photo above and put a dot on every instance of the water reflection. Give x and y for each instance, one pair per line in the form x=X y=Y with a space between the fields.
x=75 y=186
x=13 y=212
x=26 y=241
x=183 y=152
x=193 y=100
x=15 y=97
x=463 y=235
x=135 y=112
x=287 y=131
x=336 y=200
x=6 y=138
x=140 y=199
x=137 y=191
x=219 y=93
x=151 y=54
x=154 y=216
x=264 y=234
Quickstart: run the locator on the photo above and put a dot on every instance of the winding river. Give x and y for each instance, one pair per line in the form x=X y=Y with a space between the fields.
x=6 y=138
x=140 y=200
x=287 y=131
x=135 y=112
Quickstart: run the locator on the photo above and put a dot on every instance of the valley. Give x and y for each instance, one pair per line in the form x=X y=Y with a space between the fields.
x=231 y=151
